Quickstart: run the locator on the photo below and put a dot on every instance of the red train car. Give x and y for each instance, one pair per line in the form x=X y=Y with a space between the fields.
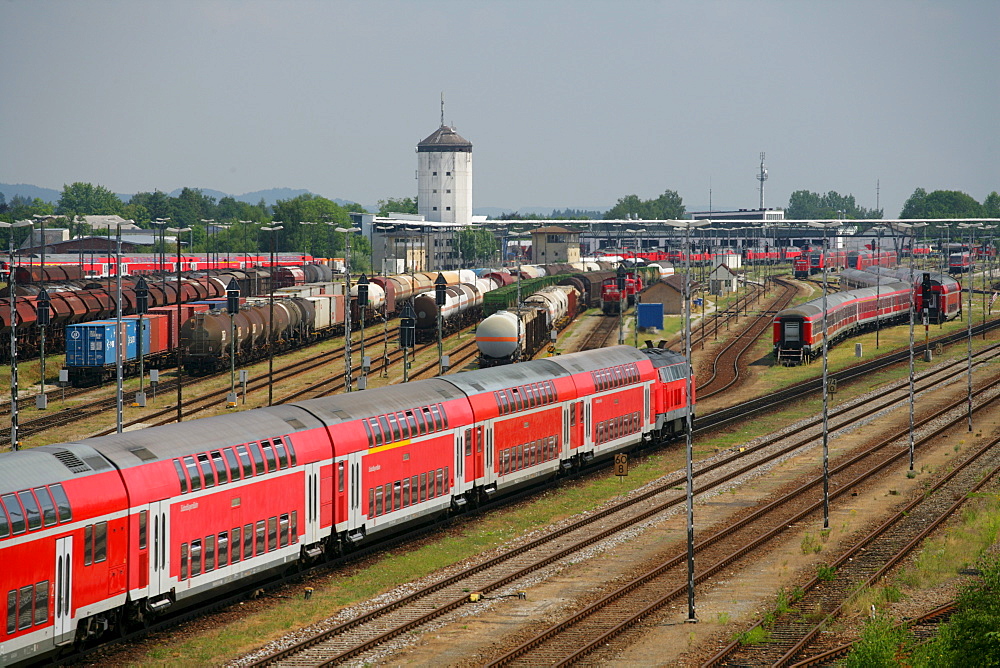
x=101 y=535
x=798 y=331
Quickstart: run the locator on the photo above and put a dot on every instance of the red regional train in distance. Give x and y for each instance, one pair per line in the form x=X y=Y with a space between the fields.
x=815 y=261
x=100 y=535
x=798 y=331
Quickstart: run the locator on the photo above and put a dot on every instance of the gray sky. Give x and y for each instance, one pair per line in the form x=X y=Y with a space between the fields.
x=572 y=103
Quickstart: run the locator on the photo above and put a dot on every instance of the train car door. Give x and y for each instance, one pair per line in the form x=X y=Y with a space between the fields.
x=355 y=518
x=64 y=591
x=478 y=448
x=159 y=548
x=341 y=511
x=576 y=426
x=312 y=504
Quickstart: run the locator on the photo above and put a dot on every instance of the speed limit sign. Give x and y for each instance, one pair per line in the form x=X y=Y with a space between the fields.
x=621 y=464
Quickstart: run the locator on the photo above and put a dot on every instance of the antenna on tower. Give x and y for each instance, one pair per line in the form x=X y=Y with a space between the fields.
x=442 y=108
x=762 y=176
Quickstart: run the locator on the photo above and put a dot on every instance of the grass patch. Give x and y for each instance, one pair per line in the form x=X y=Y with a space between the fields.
x=940 y=559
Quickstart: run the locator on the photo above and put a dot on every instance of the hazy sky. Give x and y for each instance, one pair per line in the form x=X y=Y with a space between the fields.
x=567 y=104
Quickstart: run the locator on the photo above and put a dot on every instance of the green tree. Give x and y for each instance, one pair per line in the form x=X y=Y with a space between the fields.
x=156 y=204
x=86 y=199
x=475 y=245
x=991 y=205
x=21 y=208
x=668 y=206
x=190 y=207
x=317 y=239
x=941 y=204
x=804 y=204
x=392 y=205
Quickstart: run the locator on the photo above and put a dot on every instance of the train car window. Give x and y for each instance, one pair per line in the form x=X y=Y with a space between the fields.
x=260 y=538
x=447 y=479
x=223 y=549
x=62 y=502
x=412 y=422
x=247 y=541
x=11 y=611
x=42 y=602
x=394 y=427
x=368 y=433
x=404 y=428
x=234 y=464
x=32 y=512
x=244 y=454
x=237 y=539
x=406 y=492
x=397 y=496
x=340 y=476
x=195 y=560
x=295 y=527
x=209 y=553
x=479 y=439
x=467 y=438
x=439 y=477
x=272 y=464
x=437 y=417
x=180 y=476
x=378 y=500
x=258 y=458
x=371 y=502
x=100 y=541
x=24 y=607
x=423 y=486
x=184 y=561
x=283 y=530
x=142 y=529
x=384 y=424
x=553 y=447
x=376 y=431
x=221 y=472
x=504 y=403
x=279 y=449
x=414 y=484
x=291 y=449
x=15 y=513
x=88 y=545
x=418 y=419
x=444 y=415
x=206 y=470
x=193 y=475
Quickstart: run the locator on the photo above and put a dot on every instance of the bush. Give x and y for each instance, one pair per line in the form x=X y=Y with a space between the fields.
x=881 y=644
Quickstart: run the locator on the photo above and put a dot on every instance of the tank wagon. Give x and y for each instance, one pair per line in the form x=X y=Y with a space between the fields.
x=509 y=336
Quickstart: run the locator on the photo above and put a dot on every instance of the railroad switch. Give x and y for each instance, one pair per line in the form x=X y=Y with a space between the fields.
x=478 y=596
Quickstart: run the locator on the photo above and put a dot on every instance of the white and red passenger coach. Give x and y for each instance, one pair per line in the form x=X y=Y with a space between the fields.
x=102 y=534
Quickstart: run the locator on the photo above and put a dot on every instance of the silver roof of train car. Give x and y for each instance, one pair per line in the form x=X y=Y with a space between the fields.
x=132 y=448
x=48 y=464
x=391 y=398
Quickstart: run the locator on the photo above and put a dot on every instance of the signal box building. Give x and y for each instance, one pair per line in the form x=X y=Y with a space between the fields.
x=553 y=244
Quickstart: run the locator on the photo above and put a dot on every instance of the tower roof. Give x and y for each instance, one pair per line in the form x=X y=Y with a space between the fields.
x=445 y=139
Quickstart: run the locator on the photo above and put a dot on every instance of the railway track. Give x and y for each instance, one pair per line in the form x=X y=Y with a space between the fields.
x=599 y=335
x=923 y=627
x=498 y=575
x=865 y=563
x=586 y=632
x=726 y=363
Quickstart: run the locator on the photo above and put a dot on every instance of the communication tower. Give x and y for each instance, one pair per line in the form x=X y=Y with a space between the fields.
x=762 y=176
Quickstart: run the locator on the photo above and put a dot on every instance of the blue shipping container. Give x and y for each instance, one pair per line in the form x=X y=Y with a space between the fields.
x=146 y=336
x=93 y=344
x=650 y=316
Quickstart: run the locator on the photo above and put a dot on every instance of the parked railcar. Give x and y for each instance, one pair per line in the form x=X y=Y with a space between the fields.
x=509 y=336
x=100 y=536
x=798 y=331
x=940 y=295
